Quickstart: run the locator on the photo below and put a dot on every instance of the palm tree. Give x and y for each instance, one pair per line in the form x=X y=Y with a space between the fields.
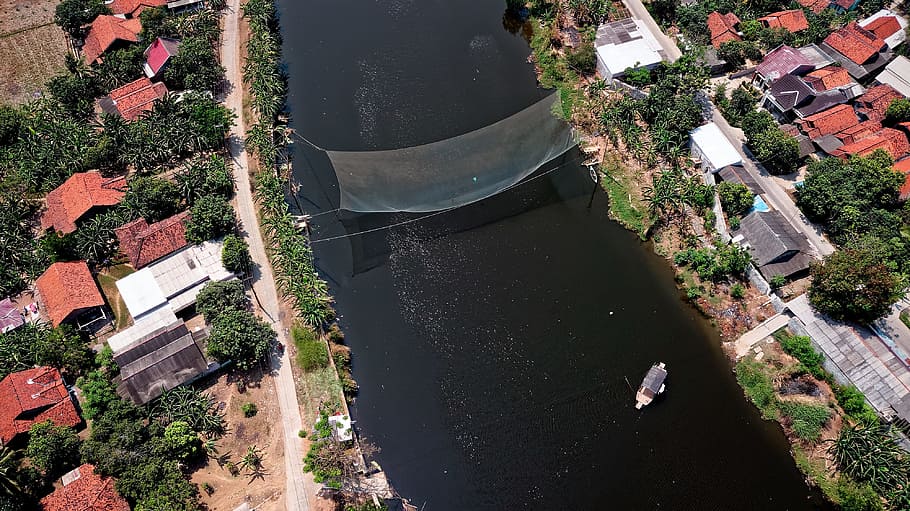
x=9 y=466
x=252 y=460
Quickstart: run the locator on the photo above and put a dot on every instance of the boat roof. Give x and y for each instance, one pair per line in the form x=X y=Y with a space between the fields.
x=654 y=379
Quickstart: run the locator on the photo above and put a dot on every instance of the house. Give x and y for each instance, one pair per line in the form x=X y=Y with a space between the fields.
x=132 y=8
x=32 y=396
x=154 y=359
x=84 y=490
x=827 y=78
x=858 y=132
x=723 y=28
x=792 y=21
x=790 y=97
x=107 y=33
x=860 y=51
x=828 y=122
x=82 y=193
x=709 y=145
x=738 y=175
x=873 y=105
x=10 y=316
x=890 y=140
x=888 y=26
x=341 y=428
x=779 y=62
x=69 y=293
x=776 y=247
x=144 y=244
x=625 y=44
x=816 y=6
x=133 y=99
x=897 y=75
x=158 y=54
x=173 y=281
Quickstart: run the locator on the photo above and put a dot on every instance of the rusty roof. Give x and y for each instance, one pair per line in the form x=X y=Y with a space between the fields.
x=792 y=20
x=85 y=491
x=76 y=196
x=133 y=99
x=875 y=102
x=32 y=396
x=828 y=122
x=723 y=28
x=143 y=243
x=105 y=31
x=828 y=78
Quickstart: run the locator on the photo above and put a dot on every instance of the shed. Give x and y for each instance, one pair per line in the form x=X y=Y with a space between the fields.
x=712 y=147
x=158 y=54
x=625 y=44
x=776 y=247
x=738 y=174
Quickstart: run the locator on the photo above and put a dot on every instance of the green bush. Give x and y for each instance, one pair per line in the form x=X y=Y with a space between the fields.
x=235 y=254
x=777 y=281
x=216 y=298
x=854 y=403
x=806 y=420
x=757 y=384
x=583 y=58
x=857 y=497
x=737 y=291
x=735 y=198
x=311 y=350
x=210 y=217
x=800 y=347
x=249 y=409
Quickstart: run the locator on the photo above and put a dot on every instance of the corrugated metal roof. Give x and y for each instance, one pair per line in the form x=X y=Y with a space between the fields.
x=770 y=236
x=897 y=75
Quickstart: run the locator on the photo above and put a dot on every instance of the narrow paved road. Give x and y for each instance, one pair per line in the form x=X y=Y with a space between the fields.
x=300 y=486
x=775 y=196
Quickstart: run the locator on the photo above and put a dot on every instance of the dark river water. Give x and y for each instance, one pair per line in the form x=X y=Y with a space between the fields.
x=496 y=345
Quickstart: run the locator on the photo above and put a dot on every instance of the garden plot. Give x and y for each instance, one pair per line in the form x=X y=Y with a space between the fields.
x=28 y=59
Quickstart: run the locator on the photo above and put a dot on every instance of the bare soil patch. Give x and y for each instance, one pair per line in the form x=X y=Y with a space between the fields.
x=16 y=15
x=28 y=60
x=265 y=493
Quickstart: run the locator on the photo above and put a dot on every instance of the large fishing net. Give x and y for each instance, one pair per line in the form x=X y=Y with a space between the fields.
x=455 y=171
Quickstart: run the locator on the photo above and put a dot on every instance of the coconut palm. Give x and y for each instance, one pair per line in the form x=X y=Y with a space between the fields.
x=9 y=464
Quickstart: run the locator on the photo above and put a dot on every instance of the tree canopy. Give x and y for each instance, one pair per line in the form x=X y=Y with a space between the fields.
x=216 y=298
x=235 y=254
x=71 y=15
x=53 y=449
x=853 y=285
x=210 y=217
x=735 y=198
x=241 y=337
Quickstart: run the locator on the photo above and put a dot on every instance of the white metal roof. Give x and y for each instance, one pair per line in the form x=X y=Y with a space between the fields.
x=627 y=43
x=897 y=75
x=140 y=292
x=715 y=147
x=896 y=38
x=154 y=320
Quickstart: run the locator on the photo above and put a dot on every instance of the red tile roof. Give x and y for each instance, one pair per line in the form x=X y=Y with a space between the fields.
x=903 y=167
x=793 y=20
x=858 y=132
x=87 y=492
x=134 y=98
x=32 y=396
x=816 y=6
x=133 y=8
x=722 y=27
x=828 y=122
x=105 y=31
x=144 y=243
x=875 y=102
x=76 y=196
x=66 y=288
x=883 y=27
x=892 y=141
x=828 y=78
x=855 y=43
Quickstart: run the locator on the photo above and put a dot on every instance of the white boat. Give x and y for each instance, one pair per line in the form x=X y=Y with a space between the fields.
x=651 y=386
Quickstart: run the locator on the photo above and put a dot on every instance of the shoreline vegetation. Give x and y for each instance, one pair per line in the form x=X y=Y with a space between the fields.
x=836 y=439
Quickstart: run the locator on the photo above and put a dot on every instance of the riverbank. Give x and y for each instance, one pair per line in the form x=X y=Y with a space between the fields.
x=656 y=193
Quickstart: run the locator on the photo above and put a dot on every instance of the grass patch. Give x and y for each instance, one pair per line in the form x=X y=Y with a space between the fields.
x=107 y=280
x=618 y=182
x=905 y=317
x=806 y=420
x=816 y=472
x=312 y=353
x=757 y=384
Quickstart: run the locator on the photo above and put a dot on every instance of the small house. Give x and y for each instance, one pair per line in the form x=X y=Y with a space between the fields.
x=828 y=122
x=109 y=33
x=70 y=295
x=84 y=490
x=133 y=99
x=626 y=44
x=33 y=396
x=860 y=51
x=82 y=194
x=723 y=28
x=897 y=75
x=888 y=26
x=158 y=54
x=816 y=6
x=712 y=148
x=144 y=244
x=890 y=140
x=793 y=20
x=873 y=105
x=829 y=78
x=737 y=174
x=776 y=247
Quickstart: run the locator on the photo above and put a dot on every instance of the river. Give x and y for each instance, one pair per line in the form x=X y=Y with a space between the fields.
x=496 y=345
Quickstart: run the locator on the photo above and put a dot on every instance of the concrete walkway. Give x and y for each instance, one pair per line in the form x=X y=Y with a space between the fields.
x=759 y=333
x=299 y=486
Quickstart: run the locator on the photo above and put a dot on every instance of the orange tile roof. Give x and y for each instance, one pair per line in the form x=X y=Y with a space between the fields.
x=892 y=141
x=855 y=43
x=133 y=8
x=33 y=396
x=68 y=287
x=793 y=20
x=137 y=97
x=828 y=122
x=903 y=167
x=828 y=78
x=858 y=132
x=883 y=27
x=87 y=492
x=143 y=243
x=105 y=31
x=77 y=195
x=722 y=27
x=875 y=102
x=816 y=6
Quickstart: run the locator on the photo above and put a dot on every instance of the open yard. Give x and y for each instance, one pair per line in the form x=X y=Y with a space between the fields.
x=263 y=430
x=32 y=48
x=108 y=280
